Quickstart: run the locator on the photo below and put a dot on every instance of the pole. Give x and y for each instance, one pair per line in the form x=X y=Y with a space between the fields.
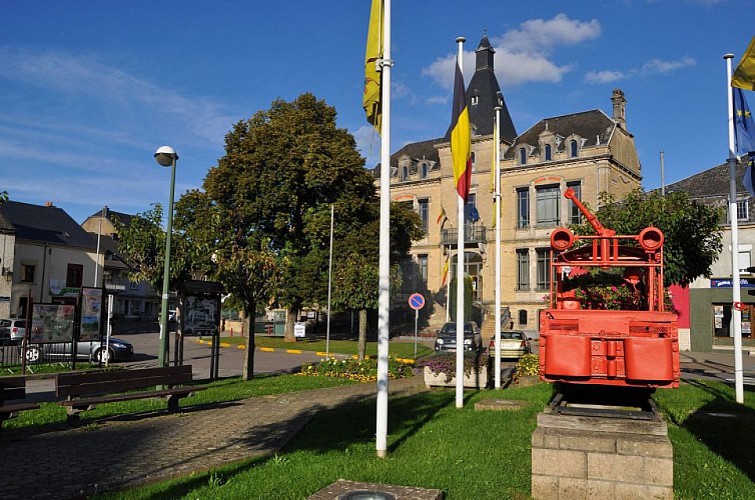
x=330 y=283
x=97 y=261
x=736 y=314
x=497 y=183
x=109 y=329
x=460 y=276
x=416 y=320
x=384 y=299
x=162 y=359
x=663 y=182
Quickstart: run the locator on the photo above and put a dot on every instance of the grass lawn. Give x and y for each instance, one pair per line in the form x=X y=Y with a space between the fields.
x=399 y=349
x=471 y=454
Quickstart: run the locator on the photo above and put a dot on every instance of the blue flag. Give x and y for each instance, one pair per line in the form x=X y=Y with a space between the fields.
x=744 y=126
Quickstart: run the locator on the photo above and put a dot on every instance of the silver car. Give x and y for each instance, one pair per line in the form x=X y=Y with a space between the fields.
x=12 y=329
x=93 y=350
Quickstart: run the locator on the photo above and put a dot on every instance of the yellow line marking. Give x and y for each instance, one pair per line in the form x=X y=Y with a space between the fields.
x=267 y=349
x=294 y=351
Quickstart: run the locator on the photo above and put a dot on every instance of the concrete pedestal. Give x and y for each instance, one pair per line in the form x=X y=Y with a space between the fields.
x=577 y=457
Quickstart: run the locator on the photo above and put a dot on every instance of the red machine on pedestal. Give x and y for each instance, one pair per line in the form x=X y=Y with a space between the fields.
x=607 y=322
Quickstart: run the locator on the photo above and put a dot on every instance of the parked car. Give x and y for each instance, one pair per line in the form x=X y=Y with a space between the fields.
x=446 y=339
x=514 y=344
x=93 y=350
x=12 y=329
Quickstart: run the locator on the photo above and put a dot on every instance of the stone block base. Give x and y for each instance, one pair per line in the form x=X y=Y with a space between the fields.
x=342 y=488
x=577 y=457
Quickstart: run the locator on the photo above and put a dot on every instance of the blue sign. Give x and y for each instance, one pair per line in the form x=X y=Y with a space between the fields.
x=416 y=301
x=726 y=282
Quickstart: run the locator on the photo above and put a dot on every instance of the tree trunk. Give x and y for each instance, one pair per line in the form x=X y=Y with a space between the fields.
x=291 y=315
x=248 y=372
x=362 y=343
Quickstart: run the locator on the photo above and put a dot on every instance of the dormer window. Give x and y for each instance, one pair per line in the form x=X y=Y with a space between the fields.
x=522 y=156
x=423 y=170
x=547 y=153
x=404 y=173
x=475 y=100
x=573 y=148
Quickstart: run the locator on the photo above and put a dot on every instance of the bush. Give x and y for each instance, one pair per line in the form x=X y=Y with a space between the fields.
x=528 y=365
x=352 y=369
x=445 y=362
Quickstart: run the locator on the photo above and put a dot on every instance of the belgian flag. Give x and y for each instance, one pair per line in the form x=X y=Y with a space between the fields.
x=461 y=137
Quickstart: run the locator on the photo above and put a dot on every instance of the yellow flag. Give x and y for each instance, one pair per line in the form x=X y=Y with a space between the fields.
x=445 y=273
x=744 y=75
x=372 y=77
x=461 y=137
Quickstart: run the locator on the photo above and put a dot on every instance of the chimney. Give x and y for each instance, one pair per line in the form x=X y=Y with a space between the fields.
x=619 y=108
x=49 y=204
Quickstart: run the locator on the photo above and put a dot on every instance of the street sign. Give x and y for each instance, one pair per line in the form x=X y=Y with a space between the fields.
x=416 y=301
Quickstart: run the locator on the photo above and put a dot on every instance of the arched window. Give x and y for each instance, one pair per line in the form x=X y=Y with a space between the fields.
x=548 y=152
x=404 y=173
x=522 y=316
x=423 y=171
x=522 y=156
x=573 y=148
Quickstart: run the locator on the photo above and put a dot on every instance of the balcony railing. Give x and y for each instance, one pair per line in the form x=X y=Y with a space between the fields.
x=472 y=234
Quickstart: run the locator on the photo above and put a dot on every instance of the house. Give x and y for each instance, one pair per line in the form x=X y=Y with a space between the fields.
x=47 y=257
x=705 y=307
x=135 y=301
x=588 y=151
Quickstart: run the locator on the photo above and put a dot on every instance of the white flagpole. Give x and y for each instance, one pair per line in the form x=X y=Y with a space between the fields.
x=460 y=275
x=497 y=197
x=736 y=314
x=384 y=298
x=330 y=282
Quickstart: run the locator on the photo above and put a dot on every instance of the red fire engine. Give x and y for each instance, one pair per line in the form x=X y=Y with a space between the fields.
x=607 y=322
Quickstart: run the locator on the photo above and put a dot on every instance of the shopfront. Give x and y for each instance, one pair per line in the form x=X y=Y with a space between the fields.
x=711 y=315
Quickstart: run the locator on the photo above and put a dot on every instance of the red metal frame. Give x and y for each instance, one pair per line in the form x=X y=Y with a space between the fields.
x=631 y=348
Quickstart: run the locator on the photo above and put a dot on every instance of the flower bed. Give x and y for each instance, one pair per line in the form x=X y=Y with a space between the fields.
x=440 y=369
x=352 y=369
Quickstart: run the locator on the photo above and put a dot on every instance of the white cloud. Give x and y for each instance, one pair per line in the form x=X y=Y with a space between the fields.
x=657 y=66
x=83 y=77
x=605 y=76
x=526 y=53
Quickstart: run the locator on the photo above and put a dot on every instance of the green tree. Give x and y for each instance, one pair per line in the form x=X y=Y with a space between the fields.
x=692 y=233
x=273 y=188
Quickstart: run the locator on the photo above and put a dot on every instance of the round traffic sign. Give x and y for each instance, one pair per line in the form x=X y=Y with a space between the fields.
x=416 y=301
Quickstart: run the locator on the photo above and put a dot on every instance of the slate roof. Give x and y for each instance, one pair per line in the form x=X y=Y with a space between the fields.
x=124 y=219
x=415 y=150
x=711 y=182
x=45 y=224
x=591 y=125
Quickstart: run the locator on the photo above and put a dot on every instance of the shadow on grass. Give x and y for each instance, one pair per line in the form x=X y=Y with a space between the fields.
x=725 y=427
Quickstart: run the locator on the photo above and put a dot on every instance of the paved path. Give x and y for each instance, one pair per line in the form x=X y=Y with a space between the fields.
x=128 y=451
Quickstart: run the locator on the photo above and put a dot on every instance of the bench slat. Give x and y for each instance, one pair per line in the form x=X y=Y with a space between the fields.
x=99 y=382
x=83 y=377
x=18 y=407
x=84 y=402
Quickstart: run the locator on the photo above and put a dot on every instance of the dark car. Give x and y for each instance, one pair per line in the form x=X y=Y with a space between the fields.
x=446 y=339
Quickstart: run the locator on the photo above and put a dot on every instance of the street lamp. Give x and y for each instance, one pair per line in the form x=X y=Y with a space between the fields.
x=166 y=156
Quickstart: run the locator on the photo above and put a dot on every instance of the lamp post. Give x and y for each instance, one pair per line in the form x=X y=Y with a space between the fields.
x=166 y=156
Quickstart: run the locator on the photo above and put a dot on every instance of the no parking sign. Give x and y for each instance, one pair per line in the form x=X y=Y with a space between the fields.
x=416 y=301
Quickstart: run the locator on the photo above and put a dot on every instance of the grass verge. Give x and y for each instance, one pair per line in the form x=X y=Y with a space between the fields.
x=474 y=454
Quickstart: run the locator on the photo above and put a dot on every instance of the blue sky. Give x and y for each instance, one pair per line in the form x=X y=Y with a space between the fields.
x=89 y=89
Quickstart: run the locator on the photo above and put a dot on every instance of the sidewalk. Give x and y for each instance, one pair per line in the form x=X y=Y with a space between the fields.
x=136 y=449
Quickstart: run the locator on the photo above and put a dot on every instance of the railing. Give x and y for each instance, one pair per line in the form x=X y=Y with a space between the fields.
x=472 y=234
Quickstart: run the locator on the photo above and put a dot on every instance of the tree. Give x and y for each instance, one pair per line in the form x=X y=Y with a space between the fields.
x=692 y=233
x=273 y=188
x=357 y=260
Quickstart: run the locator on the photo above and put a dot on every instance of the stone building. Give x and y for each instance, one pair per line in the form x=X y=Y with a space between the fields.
x=588 y=151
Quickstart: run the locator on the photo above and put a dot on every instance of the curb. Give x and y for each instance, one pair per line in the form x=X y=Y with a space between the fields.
x=297 y=351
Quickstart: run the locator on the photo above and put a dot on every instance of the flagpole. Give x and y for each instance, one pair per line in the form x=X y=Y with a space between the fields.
x=497 y=197
x=384 y=302
x=736 y=314
x=460 y=275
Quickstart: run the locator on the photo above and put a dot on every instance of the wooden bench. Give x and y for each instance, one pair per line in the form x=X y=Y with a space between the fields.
x=12 y=388
x=84 y=391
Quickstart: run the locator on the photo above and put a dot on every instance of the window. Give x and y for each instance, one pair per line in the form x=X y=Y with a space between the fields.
x=422 y=262
x=75 y=275
x=573 y=148
x=523 y=269
x=575 y=216
x=522 y=316
x=522 y=156
x=523 y=208
x=423 y=170
x=423 y=207
x=543 y=269
x=742 y=210
x=27 y=273
x=473 y=161
x=744 y=261
x=548 y=156
x=404 y=173
x=547 y=205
